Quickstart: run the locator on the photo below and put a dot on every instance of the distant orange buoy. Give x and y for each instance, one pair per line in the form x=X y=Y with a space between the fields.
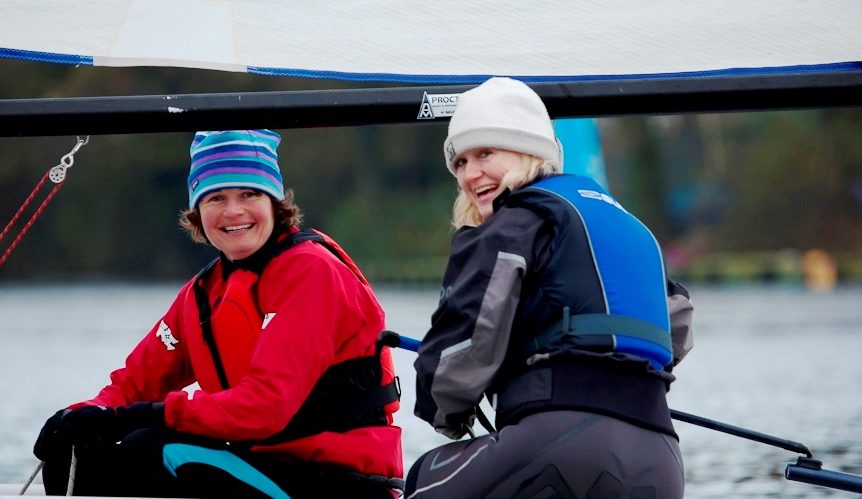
x=820 y=270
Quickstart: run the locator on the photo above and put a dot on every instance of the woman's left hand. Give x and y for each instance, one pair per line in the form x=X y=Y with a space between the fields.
x=97 y=426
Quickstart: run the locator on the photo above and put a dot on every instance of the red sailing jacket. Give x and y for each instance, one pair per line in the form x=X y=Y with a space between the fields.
x=276 y=334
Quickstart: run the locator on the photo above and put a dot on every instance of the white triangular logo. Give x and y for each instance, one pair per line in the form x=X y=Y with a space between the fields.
x=425 y=111
x=266 y=318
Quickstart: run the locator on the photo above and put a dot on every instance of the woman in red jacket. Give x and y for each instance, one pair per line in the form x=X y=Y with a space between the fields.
x=280 y=332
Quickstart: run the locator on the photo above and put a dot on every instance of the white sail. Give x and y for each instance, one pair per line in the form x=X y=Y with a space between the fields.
x=445 y=41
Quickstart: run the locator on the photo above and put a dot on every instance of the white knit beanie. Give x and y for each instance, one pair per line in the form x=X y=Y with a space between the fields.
x=504 y=114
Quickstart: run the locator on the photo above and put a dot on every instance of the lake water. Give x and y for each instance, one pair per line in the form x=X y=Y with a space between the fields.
x=777 y=360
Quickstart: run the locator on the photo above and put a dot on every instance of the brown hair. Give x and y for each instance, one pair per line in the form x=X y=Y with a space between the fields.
x=286 y=213
x=465 y=212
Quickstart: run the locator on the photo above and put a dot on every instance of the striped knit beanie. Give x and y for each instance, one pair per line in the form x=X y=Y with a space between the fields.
x=234 y=159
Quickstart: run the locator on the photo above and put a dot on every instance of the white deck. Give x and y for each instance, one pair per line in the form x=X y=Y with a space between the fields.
x=8 y=490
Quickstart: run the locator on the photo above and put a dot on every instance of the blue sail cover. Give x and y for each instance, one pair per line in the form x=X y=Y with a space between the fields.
x=443 y=42
x=582 y=148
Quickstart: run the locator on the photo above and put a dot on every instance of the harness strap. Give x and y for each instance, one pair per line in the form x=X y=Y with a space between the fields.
x=204 y=314
x=578 y=381
x=348 y=396
x=597 y=333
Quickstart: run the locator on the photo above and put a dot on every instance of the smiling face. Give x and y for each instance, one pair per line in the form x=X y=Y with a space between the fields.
x=237 y=221
x=480 y=171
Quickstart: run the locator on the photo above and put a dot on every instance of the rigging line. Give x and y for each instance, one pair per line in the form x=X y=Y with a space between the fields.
x=57 y=174
x=73 y=468
x=31 y=478
x=23 y=206
x=29 y=224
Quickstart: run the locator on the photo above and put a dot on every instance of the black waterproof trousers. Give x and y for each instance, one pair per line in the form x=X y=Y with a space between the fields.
x=140 y=466
x=554 y=454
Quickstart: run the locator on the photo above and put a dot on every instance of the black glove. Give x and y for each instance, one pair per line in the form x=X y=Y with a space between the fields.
x=51 y=441
x=97 y=426
x=140 y=415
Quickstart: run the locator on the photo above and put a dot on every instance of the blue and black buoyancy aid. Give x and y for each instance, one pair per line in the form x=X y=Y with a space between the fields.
x=596 y=312
x=630 y=312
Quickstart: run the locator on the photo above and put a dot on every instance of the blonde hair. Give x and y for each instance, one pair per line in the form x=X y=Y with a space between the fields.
x=465 y=212
x=286 y=214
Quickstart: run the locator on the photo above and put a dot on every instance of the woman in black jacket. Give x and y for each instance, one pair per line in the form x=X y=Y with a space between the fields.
x=555 y=304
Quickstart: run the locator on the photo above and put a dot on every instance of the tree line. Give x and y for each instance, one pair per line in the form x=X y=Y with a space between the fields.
x=705 y=184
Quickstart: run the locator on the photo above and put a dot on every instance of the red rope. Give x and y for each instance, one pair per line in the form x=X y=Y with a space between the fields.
x=32 y=219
